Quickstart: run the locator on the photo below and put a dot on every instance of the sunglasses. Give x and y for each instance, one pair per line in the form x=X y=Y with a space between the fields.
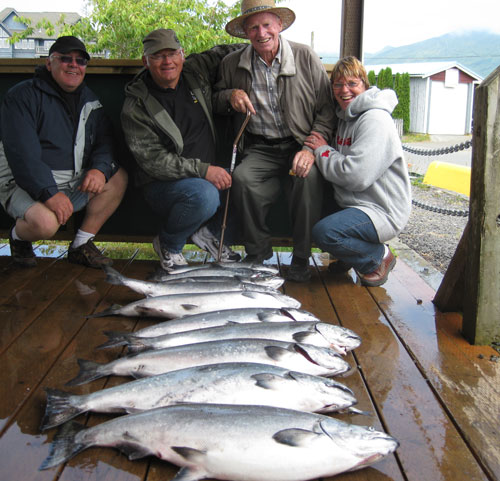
x=68 y=59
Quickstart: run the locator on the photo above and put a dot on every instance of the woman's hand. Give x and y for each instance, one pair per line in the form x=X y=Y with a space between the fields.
x=315 y=140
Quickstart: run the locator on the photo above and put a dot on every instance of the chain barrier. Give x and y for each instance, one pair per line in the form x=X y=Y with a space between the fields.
x=444 y=150
x=440 y=210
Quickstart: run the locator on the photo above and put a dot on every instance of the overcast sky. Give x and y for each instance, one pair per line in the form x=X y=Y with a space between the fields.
x=386 y=22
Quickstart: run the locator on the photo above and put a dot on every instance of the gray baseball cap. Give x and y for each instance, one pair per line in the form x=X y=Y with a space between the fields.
x=160 y=39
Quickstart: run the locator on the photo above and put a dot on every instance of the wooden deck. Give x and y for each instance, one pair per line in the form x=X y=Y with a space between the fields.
x=424 y=384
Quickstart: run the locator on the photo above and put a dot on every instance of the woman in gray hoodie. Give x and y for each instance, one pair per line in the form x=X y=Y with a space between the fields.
x=369 y=177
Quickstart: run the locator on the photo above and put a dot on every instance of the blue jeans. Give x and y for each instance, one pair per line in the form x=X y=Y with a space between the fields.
x=350 y=236
x=182 y=206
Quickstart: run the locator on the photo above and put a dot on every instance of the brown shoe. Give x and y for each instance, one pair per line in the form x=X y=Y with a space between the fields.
x=381 y=273
x=88 y=255
x=22 y=252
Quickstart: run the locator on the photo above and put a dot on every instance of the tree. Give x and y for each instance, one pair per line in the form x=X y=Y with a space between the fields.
x=372 y=78
x=402 y=110
x=118 y=26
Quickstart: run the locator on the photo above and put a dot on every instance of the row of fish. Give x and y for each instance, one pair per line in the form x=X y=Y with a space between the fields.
x=230 y=387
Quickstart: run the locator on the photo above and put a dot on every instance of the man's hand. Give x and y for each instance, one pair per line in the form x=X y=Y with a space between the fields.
x=218 y=177
x=315 y=140
x=241 y=102
x=302 y=163
x=61 y=206
x=93 y=183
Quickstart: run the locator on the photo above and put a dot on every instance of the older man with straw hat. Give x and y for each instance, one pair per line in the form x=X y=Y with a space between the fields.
x=285 y=87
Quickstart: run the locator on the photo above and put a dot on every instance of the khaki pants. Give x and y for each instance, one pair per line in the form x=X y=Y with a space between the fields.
x=257 y=183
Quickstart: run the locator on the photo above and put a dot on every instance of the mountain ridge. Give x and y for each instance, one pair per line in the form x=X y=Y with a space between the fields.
x=477 y=50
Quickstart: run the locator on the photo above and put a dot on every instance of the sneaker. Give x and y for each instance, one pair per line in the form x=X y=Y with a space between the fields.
x=168 y=260
x=88 y=255
x=205 y=240
x=22 y=252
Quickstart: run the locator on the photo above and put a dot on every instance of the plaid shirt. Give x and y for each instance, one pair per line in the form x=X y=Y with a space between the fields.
x=265 y=98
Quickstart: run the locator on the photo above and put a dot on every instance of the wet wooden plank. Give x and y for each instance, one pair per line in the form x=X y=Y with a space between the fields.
x=24 y=306
x=469 y=386
x=411 y=413
x=386 y=380
x=76 y=338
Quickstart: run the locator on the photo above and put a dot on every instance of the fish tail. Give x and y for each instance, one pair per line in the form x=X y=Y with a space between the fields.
x=110 y=311
x=113 y=276
x=89 y=371
x=63 y=446
x=115 y=339
x=59 y=409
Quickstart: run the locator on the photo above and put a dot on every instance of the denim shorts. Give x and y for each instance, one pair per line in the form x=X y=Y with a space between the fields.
x=20 y=201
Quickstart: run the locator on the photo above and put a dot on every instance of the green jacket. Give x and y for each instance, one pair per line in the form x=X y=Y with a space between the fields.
x=147 y=126
x=304 y=89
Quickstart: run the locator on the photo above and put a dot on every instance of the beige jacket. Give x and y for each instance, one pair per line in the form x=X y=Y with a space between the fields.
x=304 y=89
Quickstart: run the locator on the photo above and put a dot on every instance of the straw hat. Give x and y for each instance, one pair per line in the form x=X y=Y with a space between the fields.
x=251 y=7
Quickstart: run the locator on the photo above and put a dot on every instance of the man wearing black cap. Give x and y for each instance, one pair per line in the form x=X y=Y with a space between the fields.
x=57 y=157
x=168 y=126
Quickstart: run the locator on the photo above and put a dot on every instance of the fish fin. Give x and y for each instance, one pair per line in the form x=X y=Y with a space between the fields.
x=251 y=294
x=190 y=454
x=276 y=353
x=145 y=311
x=116 y=339
x=132 y=448
x=302 y=336
x=89 y=371
x=268 y=381
x=189 y=474
x=113 y=276
x=351 y=410
x=110 y=311
x=189 y=307
x=295 y=437
x=58 y=409
x=63 y=446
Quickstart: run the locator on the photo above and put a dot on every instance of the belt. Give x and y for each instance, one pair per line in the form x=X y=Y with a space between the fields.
x=260 y=139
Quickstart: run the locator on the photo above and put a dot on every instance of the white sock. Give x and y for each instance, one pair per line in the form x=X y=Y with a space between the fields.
x=81 y=238
x=386 y=251
x=14 y=234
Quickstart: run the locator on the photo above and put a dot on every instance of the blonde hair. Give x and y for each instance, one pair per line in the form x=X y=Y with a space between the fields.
x=349 y=67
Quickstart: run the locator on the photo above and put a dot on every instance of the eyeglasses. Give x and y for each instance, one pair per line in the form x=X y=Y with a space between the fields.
x=68 y=59
x=352 y=84
x=165 y=56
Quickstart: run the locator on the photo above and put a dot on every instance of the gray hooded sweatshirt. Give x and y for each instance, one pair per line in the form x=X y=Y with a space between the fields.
x=367 y=167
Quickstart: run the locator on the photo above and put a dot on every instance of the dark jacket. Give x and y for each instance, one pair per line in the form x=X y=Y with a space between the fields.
x=43 y=145
x=150 y=131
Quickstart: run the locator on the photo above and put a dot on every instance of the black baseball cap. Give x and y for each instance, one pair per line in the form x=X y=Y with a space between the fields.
x=67 y=44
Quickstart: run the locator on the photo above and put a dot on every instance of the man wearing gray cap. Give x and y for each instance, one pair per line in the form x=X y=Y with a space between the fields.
x=285 y=87
x=57 y=157
x=168 y=126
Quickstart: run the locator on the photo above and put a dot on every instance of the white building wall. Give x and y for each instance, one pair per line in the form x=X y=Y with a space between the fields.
x=448 y=109
x=418 y=105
